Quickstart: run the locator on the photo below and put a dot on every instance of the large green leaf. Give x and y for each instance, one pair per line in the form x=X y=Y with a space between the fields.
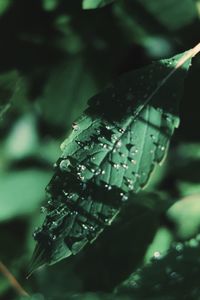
x=111 y=151
x=91 y=4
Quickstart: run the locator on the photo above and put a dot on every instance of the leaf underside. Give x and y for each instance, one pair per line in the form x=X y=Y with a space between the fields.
x=112 y=151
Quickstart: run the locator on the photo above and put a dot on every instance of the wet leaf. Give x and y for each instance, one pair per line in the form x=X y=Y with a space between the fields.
x=112 y=151
x=171 y=276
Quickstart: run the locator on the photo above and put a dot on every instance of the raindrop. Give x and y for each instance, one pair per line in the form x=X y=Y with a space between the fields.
x=98 y=131
x=133 y=161
x=123 y=197
x=125 y=166
x=118 y=144
x=157 y=255
x=84 y=226
x=116 y=166
x=64 y=164
x=162 y=148
x=133 y=150
x=179 y=247
x=121 y=130
x=97 y=172
x=75 y=126
x=108 y=187
x=153 y=137
x=137 y=175
x=174 y=275
x=54 y=223
x=43 y=209
x=113 y=138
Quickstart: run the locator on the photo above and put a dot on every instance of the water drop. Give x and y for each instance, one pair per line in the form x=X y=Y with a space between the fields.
x=157 y=255
x=54 y=223
x=43 y=209
x=97 y=172
x=179 y=247
x=153 y=137
x=123 y=197
x=133 y=161
x=121 y=130
x=162 y=148
x=75 y=126
x=118 y=144
x=125 y=166
x=108 y=187
x=64 y=165
x=116 y=166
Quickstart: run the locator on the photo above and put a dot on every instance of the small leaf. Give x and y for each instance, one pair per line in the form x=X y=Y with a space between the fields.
x=92 y=4
x=111 y=152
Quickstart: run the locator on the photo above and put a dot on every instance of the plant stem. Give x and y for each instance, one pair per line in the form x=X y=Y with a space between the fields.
x=12 y=280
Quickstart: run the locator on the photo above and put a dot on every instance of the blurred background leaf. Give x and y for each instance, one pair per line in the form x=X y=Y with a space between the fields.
x=90 y=4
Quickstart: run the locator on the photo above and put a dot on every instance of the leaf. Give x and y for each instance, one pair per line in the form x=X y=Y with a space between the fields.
x=21 y=192
x=92 y=4
x=111 y=151
x=184 y=214
x=153 y=24
x=8 y=85
x=171 y=276
x=169 y=14
x=4 y=6
x=65 y=94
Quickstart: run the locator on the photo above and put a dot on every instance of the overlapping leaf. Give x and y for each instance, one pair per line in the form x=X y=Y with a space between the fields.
x=111 y=151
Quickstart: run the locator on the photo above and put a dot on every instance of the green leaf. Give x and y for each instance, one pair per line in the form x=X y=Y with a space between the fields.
x=169 y=14
x=92 y=4
x=111 y=152
x=4 y=5
x=168 y=276
x=21 y=192
x=8 y=85
x=184 y=214
x=68 y=87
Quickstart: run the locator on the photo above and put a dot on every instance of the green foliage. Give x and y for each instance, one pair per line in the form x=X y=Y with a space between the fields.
x=109 y=153
x=91 y=4
x=4 y=5
x=8 y=85
x=55 y=55
x=171 y=276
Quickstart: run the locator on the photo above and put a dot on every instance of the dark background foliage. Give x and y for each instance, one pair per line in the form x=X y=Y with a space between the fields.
x=54 y=55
